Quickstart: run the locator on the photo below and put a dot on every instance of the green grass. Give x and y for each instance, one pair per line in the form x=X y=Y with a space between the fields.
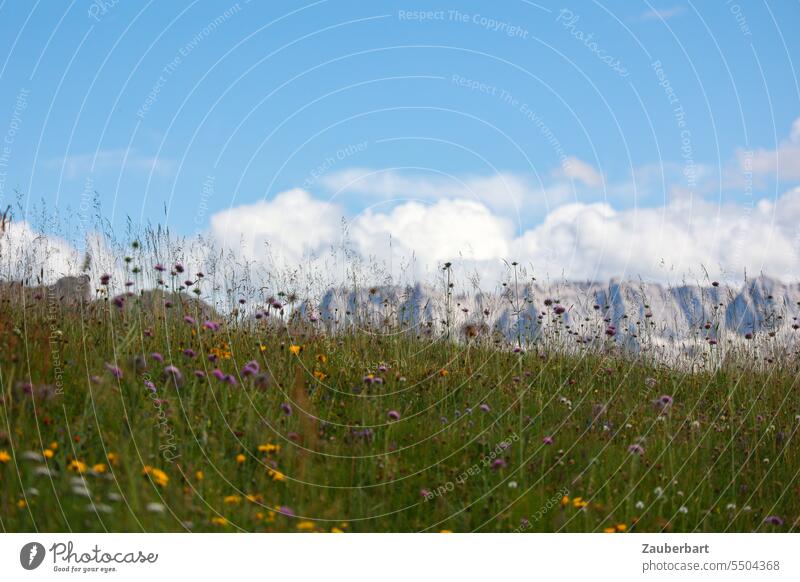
x=722 y=457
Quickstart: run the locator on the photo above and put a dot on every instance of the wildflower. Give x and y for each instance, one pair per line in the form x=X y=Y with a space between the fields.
x=157 y=357
x=548 y=440
x=158 y=476
x=559 y=309
x=48 y=454
x=335 y=529
x=305 y=525
x=174 y=374
x=232 y=500
x=610 y=530
x=579 y=503
x=773 y=520
x=199 y=374
x=77 y=466
x=498 y=464
x=115 y=370
x=211 y=325
x=564 y=501
x=179 y=268
x=636 y=449
x=189 y=353
x=286 y=408
x=250 y=368
x=218 y=374
x=159 y=267
x=105 y=278
x=393 y=415
x=443 y=372
x=154 y=507
x=4 y=456
x=275 y=474
x=220 y=521
x=484 y=407
x=269 y=448
x=150 y=386
x=99 y=468
x=240 y=459
x=189 y=319
x=319 y=375
x=621 y=527
x=199 y=475
x=296 y=350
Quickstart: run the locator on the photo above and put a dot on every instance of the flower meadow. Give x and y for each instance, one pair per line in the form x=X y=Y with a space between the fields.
x=135 y=400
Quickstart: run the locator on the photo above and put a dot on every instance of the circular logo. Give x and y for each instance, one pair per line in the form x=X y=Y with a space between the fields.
x=31 y=555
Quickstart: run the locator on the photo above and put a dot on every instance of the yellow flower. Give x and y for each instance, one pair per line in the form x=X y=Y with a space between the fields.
x=259 y=516
x=276 y=475
x=48 y=454
x=622 y=527
x=77 y=466
x=112 y=458
x=564 y=501
x=443 y=372
x=579 y=503
x=254 y=498
x=232 y=500
x=322 y=358
x=4 y=456
x=305 y=525
x=240 y=458
x=269 y=448
x=219 y=521
x=445 y=531
x=158 y=476
x=320 y=375
x=199 y=475
x=609 y=530
x=99 y=468
x=21 y=504
x=54 y=445
x=295 y=350
x=262 y=348
x=336 y=530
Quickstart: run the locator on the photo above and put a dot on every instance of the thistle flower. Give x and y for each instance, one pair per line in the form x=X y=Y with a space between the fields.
x=773 y=520
x=394 y=415
x=157 y=357
x=484 y=407
x=115 y=370
x=498 y=463
x=286 y=408
x=548 y=440
x=636 y=449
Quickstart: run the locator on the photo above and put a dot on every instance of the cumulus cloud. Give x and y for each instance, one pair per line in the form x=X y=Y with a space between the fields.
x=289 y=228
x=781 y=163
x=575 y=169
x=577 y=241
x=502 y=191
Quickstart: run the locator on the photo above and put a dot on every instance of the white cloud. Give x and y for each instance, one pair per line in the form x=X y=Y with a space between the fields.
x=578 y=241
x=501 y=191
x=575 y=169
x=288 y=228
x=664 y=13
x=781 y=163
x=109 y=161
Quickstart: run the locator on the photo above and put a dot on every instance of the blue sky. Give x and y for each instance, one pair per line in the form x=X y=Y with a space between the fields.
x=207 y=108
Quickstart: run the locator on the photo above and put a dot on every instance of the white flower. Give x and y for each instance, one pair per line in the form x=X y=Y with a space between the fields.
x=683 y=509
x=155 y=507
x=639 y=505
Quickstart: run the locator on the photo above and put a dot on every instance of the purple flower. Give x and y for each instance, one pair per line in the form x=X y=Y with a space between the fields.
x=174 y=374
x=498 y=464
x=611 y=331
x=773 y=520
x=485 y=407
x=212 y=325
x=382 y=368
x=189 y=353
x=179 y=268
x=548 y=440
x=199 y=374
x=218 y=374
x=636 y=449
x=285 y=510
x=150 y=386
x=105 y=278
x=157 y=357
x=119 y=301
x=250 y=368
x=286 y=408
x=189 y=319
x=229 y=379
x=115 y=370
x=394 y=415
x=559 y=309
x=159 y=267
